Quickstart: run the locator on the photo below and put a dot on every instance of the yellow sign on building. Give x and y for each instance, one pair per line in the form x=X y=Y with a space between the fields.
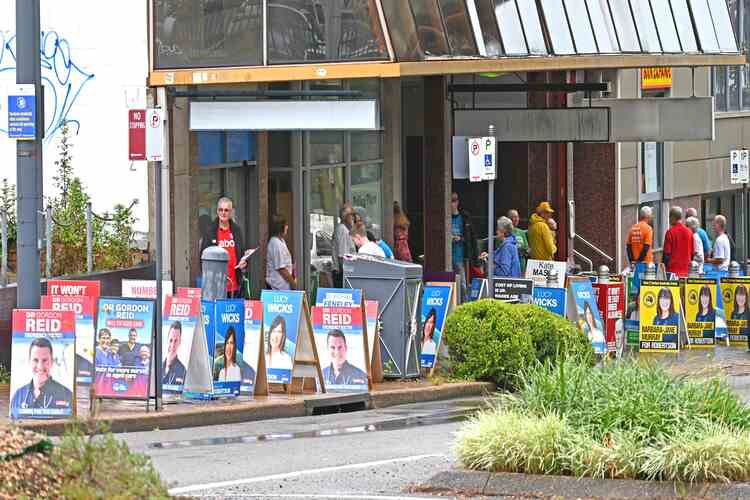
x=656 y=78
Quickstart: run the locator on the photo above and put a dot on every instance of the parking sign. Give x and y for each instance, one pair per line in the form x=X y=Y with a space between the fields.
x=482 y=159
x=738 y=165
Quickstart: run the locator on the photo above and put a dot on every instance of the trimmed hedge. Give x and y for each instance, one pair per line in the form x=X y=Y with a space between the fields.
x=495 y=341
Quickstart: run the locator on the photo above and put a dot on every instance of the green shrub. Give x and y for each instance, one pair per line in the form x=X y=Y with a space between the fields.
x=623 y=420
x=488 y=340
x=554 y=335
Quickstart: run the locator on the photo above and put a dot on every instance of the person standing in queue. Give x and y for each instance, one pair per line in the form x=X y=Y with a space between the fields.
x=342 y=243
x=522 y=240
x=640 y=246
x=678 y=245
x=464 y=246
x=278 y=259
x=225 y=233
x=705 y=240
x=541 y=240
x=401 y=234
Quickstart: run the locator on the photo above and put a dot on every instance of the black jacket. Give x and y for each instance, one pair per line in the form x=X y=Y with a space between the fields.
x=471 y=251
x=209 y=238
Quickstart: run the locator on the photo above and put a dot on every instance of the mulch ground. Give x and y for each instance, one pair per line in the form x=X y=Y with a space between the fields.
x=25 y=468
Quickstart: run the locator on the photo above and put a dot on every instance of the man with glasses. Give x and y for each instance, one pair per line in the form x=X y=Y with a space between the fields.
x=225 y=233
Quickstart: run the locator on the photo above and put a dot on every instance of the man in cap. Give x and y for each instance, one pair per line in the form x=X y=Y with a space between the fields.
x=541 y=240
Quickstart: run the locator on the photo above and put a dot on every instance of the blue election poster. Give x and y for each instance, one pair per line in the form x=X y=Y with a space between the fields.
x=475 y=292
x=251 y=350
x=639 y=273
x=587 y=314
x=339 y=337
x=179 y=321
x=551 y=299
x=229 y=340
x=42 y=376
x=435 y=304
x=338 y=297
x=281 y=316
x=208 y=309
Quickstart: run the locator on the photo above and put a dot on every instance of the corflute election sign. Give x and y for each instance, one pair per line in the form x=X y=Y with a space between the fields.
x=734 y=291
x=660 y=316
x=229 y=341
x=83 y=307
x=435 y=304
x=42 y=377
x=700 y=312
x=122 y=359
x=551 y=299
x=338 y=297
x=251 y=350
x=339 y=336
x=584 y=311
x=281 y=323
x=179 y=321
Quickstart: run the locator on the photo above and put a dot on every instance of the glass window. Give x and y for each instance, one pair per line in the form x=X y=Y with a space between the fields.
x=458 y=26
x=487 y=21
x=326 y=148
x=307 y=30
x=209 y=192
x=429 y=27
x=684 y=25
x=604 y=28
x=723 y=25
x=720 y=87
x=656 y=222
x=744 y=78
x=670 y=42
x=532 y=26
x=366 y=145
x=581 y=27
x=652 y=167
x=240 y=146
x=704 y=26
x=367 y=191
x=646 y=27
x=210 y=148
x=402 y=30
x=216 y=148
x=733 y=81
x=557 y=25
x=509 y=22
x=206 y=33
x=624 y=25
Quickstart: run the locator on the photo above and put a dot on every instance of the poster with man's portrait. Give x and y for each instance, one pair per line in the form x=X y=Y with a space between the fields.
x=179 y=321
x=42 y=372
x=340 y=341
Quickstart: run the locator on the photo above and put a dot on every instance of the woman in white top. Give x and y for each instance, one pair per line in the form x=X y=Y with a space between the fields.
x=278 y=259
x=231 y=371
x=276 y=355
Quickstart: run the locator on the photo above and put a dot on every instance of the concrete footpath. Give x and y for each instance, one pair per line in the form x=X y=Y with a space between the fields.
x=130 y=416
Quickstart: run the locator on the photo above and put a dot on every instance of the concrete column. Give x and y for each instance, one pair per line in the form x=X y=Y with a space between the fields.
x=183 y=200
x=261 y=156
x=390 y=103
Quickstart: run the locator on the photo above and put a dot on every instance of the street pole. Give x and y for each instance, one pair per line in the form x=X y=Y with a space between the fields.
x=491 y=225
x=89 y=239
x=158 y=244
x=48 y=242
x=29 y=158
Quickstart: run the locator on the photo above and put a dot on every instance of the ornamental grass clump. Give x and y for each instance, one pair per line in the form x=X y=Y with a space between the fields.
x=623 y=420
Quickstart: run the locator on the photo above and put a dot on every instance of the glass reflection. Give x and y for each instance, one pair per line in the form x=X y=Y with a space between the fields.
x=724 y=28
x=487 y=21
x=532 y=26
x=670 y=42
x=604 y=29
x=509 y=23
x=646 y=27
x=429 y=27
x=557 y=24
x=458 y=26
x=206 y=33
x=335 y=30
x=402 y=30
x=704 y=26
x=581 y=27
x=624 y=26
x=684 y=25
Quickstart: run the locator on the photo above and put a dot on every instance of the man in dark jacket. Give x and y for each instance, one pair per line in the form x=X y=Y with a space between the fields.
x=464 y=242
x=225 y=233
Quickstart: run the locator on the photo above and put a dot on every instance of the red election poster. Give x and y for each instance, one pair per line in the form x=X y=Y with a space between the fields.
x=83 y=307
x=610 y=297
x=90 y=288
x=188 y=293
x=136 y=134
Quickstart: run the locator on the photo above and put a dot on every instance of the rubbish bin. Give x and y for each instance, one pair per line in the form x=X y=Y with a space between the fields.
x=214 y=261
x=397 y=286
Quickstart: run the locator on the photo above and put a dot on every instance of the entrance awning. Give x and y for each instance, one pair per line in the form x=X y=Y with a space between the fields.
x=433 y=37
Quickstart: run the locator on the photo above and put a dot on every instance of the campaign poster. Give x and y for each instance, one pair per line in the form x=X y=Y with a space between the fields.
x=87 y=288
x=435 y=305
x=478 y=289
x=145 y=289
x=282 y=313
x=339 y=338
x=83 y=308
x=371 y=316
x=551 y=299
x=513 y=290
x=586 y=313
x=179 y=321
x=660 y=316
x=251 y=349
x=229 y=341
x=122 y=358
x=338 y=297
x=610 y=297
x=700 y=312
x=721 y=330
x=189 y=292
x=639 y=274
x=208 y=310
x=42 y=373
x=539 y=270
x=734 y=291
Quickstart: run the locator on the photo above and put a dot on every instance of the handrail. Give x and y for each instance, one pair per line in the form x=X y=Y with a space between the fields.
x=594 y=248
x=578 y=254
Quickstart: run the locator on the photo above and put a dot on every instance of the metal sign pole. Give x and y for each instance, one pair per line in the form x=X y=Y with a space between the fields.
x=491 y=223
x=158 y=264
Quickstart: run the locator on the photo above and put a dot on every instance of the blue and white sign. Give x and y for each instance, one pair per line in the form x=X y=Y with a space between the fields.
x=228 y=343
x=551 y=299
x=585 y=313
x=22 y=112
x=478 y=289
x=435 y=303
x=338 y=297
x=282 y=312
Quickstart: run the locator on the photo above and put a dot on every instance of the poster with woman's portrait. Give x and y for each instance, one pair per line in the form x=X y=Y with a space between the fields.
x=229 y=340
x=435 y=303
x=251 y=350
x=660 y=314
x=282 y=313
x=700 y=312
x=734 y=291
x=587 y=315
